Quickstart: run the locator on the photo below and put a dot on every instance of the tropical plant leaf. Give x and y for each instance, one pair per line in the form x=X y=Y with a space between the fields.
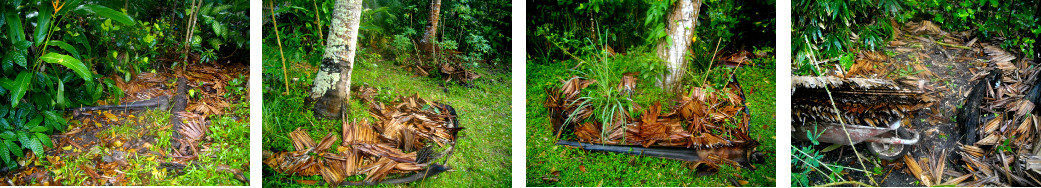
x=14 y=26
x=43 y=22
x=71 y=63
x=107 y=13
x=65 y=46
x=35 y=122
x=14 y=148
x=18 y=88
x=34 y=145
x=5 y=154
x=7 y=135
x=59 y=98
x=45 y=139
x=17 y=56
x=30 y=143
x=38 y=129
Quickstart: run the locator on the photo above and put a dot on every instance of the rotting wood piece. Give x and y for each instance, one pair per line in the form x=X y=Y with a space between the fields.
x=161 y=103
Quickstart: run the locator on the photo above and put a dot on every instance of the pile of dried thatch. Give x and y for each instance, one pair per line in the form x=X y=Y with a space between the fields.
x=699 y=119
x=1001 y=131
x=862 y=101
x=399 y=142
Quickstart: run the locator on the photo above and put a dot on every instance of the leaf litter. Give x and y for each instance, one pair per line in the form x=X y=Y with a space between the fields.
x=113 y=141
x=705 y=126
x=408 y=136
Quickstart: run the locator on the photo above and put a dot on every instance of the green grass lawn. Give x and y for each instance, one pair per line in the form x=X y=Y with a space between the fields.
x=482 y=156
x=581 y=168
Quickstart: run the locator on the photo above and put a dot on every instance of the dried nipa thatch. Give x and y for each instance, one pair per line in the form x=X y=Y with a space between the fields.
x=862 y=101
x=397 y=143
x=702 y=127
x=1000 y=143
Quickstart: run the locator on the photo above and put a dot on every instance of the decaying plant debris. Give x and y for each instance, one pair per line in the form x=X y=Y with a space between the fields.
x=862 y=101
x=704 y=127
x=1000 y=144
x=404 y=139
x=110 y=156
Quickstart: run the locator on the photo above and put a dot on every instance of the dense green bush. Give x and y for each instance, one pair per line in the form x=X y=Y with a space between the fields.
x=479 y=29
x=221 y=24
x=627 y=24
x=43 y=69
x=825 y=29
x=1016 y=22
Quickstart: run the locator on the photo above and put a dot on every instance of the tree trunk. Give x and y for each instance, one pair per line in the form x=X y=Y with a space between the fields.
x=331 y=89
x=682 y=19
x=429 y=36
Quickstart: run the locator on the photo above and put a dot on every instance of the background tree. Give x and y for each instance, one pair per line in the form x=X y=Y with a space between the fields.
x=682 y=19
x=427 y=43
x=331 y=89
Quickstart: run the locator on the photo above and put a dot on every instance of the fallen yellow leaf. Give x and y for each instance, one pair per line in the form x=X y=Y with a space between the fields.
x=110 y=116
x=66 y=148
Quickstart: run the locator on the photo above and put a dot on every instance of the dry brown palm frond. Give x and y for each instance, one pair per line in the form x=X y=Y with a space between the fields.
x=301 y=140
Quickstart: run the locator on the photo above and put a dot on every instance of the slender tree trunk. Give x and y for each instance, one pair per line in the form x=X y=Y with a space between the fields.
x=429 y=36
x=682 y=19
x=331 y=89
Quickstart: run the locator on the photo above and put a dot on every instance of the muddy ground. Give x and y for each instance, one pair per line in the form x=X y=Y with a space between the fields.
x=948 y=71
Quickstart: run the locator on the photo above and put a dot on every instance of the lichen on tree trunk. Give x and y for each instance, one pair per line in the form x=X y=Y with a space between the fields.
x=682 y=19
x=330 y=92
x=427 y=43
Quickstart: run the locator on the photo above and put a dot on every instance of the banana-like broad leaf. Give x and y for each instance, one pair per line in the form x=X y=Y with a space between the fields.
x=71 y=63
x=107 y=13
x=45 y=139
x=14 y=148
x=18 y=88
x=43 y=23
x=65 y=46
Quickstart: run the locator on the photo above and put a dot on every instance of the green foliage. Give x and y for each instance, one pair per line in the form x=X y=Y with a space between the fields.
x=825 y=29
x=220 y=24
x=303 y=25
x=1016 y=21
x=806 y=160
x=34 y=76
